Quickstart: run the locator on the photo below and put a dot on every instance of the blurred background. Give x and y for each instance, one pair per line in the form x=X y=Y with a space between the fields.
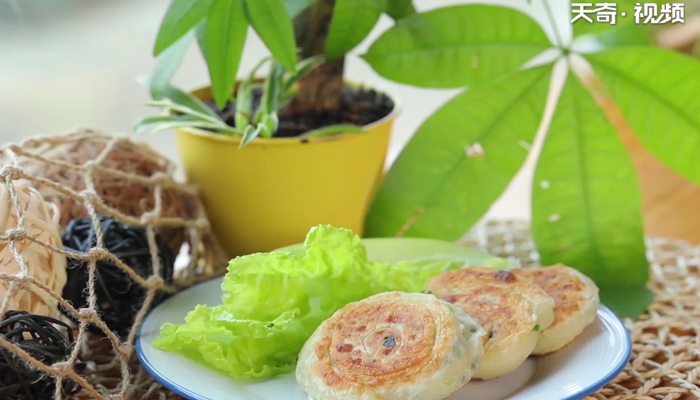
x=74 y=63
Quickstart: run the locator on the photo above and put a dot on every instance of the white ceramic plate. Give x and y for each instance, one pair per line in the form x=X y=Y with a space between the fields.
x=595 y=358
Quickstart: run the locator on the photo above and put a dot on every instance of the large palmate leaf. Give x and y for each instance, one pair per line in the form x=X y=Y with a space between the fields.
x=456 y=46
x=182 y=15
x=225 y=32
x=657 y=91
x=351 y=23
x=461 y=159
x=272 y=23
x=586 y=207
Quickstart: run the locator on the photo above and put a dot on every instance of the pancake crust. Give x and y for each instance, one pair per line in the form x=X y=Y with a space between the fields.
x=391 y=346
x=508 y=318
x=576 y=304
x=458 y=280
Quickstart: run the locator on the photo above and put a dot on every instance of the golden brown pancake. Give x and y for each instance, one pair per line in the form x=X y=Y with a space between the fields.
x=508 y=318
x=391 y=346
x=457 y=280
x=576 y=304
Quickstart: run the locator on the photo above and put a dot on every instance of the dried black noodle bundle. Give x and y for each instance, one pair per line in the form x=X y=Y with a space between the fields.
x=41 y=337
x=119 y=298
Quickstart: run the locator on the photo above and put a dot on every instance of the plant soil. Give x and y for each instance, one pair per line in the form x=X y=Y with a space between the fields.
x=358 y=106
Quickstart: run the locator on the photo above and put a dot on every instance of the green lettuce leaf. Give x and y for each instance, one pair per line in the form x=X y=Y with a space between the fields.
x=413 y=276
x=241 y=348
x=273 y=302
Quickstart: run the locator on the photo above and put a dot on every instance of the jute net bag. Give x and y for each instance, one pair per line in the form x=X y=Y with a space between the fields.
x=34 y=172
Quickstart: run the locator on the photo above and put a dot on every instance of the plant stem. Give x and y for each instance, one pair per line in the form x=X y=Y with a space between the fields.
x=321 y=90
x=557 y=37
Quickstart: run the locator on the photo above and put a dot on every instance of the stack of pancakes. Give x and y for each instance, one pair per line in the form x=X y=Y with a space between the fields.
x=534 y=311
x=474 y=322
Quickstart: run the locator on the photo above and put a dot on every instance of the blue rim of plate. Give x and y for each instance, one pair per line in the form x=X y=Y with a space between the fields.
x=588 y=390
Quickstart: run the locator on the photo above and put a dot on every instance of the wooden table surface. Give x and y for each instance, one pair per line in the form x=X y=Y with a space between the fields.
x=671 y=203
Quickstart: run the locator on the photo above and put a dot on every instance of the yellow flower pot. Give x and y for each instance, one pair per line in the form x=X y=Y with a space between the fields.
x=269 y=194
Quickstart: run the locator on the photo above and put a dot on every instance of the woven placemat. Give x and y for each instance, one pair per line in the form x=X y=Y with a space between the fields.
x=665 y=363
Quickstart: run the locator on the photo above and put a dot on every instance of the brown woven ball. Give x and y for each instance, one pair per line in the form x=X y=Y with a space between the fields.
x=130 y=198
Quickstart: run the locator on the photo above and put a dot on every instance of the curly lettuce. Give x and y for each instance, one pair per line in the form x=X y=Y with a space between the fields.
x=273 y=302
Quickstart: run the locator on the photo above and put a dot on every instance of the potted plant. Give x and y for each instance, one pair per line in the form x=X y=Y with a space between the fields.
x=274 y=155
x=578 y=109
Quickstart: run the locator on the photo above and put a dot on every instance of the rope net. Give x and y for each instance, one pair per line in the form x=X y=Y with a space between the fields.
x=49 y=180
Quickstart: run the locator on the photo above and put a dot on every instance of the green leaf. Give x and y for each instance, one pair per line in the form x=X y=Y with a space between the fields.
x=295 y=7
x=158 y=119
x=398 y=9
x=586 y=202
x=195 y=124
x=351 y=23
x=178 y=96
x=241 y=348
x=657 y=91
x=396 y=250
x=182 y=15
x=225 y=32
x=627 y=301
x=333 y=130
x=201 y=40
x=273 y=25
x=293 y=294
x=456 y=46
x=189 y=101
x=168 y=105
x=627 y=35
x=414 y=276
x=250 y=133
x=244 y=103
x=272 y=92
x=269 y=123
x=461 y=159
x=166 y=65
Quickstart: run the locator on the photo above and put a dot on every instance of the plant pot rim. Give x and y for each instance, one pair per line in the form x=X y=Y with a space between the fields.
x=287 y=141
